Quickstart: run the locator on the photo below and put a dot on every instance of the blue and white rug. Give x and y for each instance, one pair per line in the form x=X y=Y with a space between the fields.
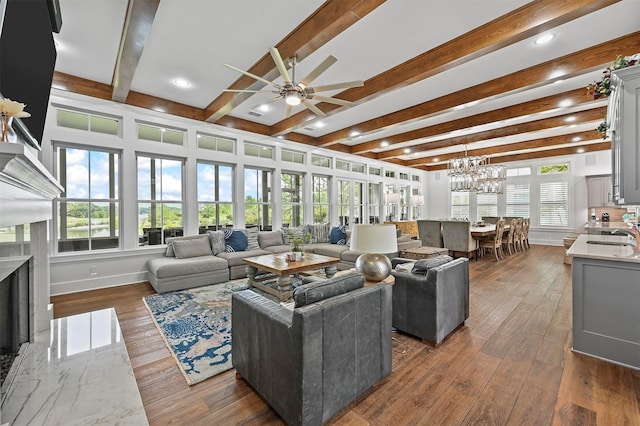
x=196 y=326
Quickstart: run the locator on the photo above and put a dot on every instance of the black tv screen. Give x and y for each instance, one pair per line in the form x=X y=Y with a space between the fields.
x=27 y=59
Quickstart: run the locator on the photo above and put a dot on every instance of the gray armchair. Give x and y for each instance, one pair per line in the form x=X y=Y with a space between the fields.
x=433 y=301
x=311 y=362
x=430 y=233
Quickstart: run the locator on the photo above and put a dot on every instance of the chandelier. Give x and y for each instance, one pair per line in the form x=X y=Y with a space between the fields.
x=476 y=174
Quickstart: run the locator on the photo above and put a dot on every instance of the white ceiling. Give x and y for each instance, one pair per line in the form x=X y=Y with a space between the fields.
x=193 y=39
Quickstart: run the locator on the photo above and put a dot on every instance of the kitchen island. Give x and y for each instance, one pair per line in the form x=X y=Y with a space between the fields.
x=606 y=298
x=604 y=228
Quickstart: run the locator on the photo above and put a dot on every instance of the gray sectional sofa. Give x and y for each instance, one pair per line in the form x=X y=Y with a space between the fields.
x=204 y=259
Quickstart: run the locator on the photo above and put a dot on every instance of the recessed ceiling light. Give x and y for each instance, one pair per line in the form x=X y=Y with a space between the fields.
x=435 y=160
x=407 y=150
x=544 y=39
x=576 y=139
x=264 y=108
x=182 y=83
x=280 y=137
x=384 y=143
x=319 y=124
x=354 y=133
x=565 y=103
x=580 y=150
x=570 y=118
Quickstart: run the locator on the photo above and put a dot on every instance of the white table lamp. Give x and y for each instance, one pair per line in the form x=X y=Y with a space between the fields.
x=373 y=241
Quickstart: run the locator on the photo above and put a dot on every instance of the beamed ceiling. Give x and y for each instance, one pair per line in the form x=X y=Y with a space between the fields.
x=440 y=77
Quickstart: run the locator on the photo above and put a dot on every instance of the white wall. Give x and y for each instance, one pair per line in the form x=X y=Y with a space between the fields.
x=71 y=272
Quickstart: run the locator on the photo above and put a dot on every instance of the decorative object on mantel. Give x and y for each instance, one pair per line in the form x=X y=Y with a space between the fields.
x=476 y=174
x=8 y=110
x=602 y=89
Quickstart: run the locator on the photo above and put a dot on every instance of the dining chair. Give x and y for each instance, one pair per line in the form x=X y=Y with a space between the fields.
x=494 y=243
x=457 y=237
x=490 y=219
x=430 y=233
x=507 y=237
x=517 y=236
x=525 y=232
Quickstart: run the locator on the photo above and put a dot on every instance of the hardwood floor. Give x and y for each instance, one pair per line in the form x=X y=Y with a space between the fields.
x=510 y=364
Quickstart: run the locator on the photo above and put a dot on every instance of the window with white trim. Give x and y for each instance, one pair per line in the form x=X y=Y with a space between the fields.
x=88 y=211
x=486 y=205
x=215 y=143
x=460 y=205
x=375 y=171
x=292 y=156
x=215 y=196
x=320 y=161
x=258 y=203
x=518 y=199
x=554 y=203
x=375 y=202
x=88 y=121
x=292 y=185
x=320 y=188
x=160 y=199
x=260 y=151
x=155 y=133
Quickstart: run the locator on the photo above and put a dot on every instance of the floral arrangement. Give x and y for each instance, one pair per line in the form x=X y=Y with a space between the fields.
x=298 y=242
x=602 y=88
x=8 y=110
x=13 y=109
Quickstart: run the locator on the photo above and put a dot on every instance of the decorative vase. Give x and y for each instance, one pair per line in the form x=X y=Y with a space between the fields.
x=6 y=127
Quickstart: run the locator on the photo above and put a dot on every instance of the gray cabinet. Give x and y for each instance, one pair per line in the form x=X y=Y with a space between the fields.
x=623 y=116
x=600 y=191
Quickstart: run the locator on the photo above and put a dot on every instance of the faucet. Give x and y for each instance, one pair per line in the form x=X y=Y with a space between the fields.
x=626 y=232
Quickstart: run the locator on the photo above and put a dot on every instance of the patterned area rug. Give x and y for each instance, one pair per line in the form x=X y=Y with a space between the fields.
x=196 y=326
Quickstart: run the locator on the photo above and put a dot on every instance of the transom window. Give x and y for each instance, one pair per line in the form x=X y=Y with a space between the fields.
x=320 y=161
x=292 y=156
x=151 y=132
x=260 y=151
x=215 y=143
x=88 y=121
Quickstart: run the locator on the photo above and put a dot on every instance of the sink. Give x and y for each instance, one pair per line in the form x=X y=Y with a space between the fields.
x=610 y=243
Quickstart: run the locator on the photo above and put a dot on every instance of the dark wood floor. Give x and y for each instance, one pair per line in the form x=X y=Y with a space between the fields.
x=510 y=364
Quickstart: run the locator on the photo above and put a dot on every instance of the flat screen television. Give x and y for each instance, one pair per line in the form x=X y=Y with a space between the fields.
x=27 y=62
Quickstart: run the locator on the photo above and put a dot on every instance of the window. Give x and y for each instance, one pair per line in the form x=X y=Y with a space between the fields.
x=258 y=210
x=390 y=173
x=417 y=203
x=292 y=156
x=487 y=205
x=215 y=196
x=320 y=187
x=342 y=165
x=15 y=240
x=320 y=161
x=404 y=176
x=159 y=199
x=415 y=178
x=374 y=202
x=554 y=203
x=554 y=168
x=460 y=205
x=292 y=199
x=89 y=122
x=88 y=211
x=350 y=202
x=358 y=168
x=522 y=171
x=215 y=143
x=259 y=151
x=375 y=171
x=161 y=134
x=518 y=203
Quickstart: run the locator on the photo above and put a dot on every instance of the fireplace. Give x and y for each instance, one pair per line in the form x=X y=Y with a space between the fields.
x=15 y=310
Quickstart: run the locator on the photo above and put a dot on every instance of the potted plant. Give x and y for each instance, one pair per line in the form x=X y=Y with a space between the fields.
x=297 y=243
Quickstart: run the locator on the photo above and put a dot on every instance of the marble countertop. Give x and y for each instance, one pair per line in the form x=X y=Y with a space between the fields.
x=606 y=225
x=581 y=248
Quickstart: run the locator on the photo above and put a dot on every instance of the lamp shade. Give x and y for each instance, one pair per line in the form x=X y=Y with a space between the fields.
x=374 y=239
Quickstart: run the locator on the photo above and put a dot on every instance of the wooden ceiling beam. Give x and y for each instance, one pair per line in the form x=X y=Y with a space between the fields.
x=527 y=127
x=578 y=148
x=570 y=65
x=588 y=135
x=71 y=83
x=327 y=22
x=137 y=26
x=515 y=26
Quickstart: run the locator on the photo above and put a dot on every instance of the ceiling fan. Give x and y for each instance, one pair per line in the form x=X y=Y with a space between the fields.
x=294 y=92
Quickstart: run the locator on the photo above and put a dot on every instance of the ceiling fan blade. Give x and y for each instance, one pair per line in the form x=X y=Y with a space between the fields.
x=318 y=70
x=317 y=111
x=265 y=103
x=275 y=54
x=249 y=91
x=337 y=86
x=332 y=100
x=250 y=75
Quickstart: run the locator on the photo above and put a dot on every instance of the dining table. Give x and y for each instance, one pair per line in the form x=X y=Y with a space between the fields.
x=478 y=232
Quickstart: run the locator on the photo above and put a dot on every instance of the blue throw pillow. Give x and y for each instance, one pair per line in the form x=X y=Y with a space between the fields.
x=235 y=241
x=338 y=235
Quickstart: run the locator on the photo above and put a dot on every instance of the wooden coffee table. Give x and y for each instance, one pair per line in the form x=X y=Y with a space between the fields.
x=278 y=265
x=424 y=252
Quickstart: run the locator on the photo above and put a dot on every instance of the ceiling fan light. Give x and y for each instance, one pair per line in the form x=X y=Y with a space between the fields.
x=292 y=99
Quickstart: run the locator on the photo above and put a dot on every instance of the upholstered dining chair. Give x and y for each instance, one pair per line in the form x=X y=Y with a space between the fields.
x=430 y=233
x=507 y=237
x=457 y=238
x=490 y=219
x=494 y=243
